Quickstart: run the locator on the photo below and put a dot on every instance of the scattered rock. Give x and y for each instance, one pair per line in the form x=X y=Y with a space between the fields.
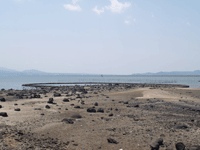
x=180 y=146
x=155 y=144
x=112 y=141
x=133 y=105
x=110 y=115
x=76 y=116
x=91 y=110
x=3 y=114
x=78 y=107
x=101 y=110
x=68 y=121
x=180 y=126
x=56 y=94
x=65 y=100
x=2 y=99
x=50 y=101
x=47 y=107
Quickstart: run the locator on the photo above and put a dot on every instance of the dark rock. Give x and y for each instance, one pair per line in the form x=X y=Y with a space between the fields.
x=2 y=99
x=155 y=144
x=15 y=104
x=17 y=109
x=112 y=141
x=0 y=106
x=180 y=126
x=65 y=100
x=47 y=107
x=101 y=110
x=82 y=102
x=56 y=94
x=50 y=101
x=127 y=102
x=3 y=114
x=91 y=110
x=68 y=121
x=76 y=116
x=96 y=104
x=37 y=109
x=180 y=146
x=77 y=107
x=132 y=105
x=42 y=114
x=110 y=115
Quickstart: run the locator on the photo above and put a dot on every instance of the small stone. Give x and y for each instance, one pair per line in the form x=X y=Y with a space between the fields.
x=91 y=110
x=65 y=100
x=76 y=116
x=180 y=126
x=47 y=107
x=68 y=121
x=77 y=107
x=96 y=104
x=17 y=109
x=3 y=114
x=101 y=110
x=2 y=99
x=112 y=141
x=180 y=146
x=50 y=101
x=110 y=115
x=155 y=144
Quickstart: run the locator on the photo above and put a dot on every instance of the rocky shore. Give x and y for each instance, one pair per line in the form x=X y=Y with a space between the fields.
x=91 y=116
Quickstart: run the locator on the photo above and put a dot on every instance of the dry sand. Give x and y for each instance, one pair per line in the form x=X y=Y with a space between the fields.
x=133 y=117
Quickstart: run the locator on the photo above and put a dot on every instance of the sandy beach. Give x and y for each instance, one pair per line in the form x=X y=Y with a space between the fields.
x=107 y=117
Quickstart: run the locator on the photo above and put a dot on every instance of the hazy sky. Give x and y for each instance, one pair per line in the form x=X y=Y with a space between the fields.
x=100 y=36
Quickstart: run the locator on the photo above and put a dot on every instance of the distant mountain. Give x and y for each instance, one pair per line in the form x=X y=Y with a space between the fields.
x=34 y=72
x=196 y=72
x=9 y=72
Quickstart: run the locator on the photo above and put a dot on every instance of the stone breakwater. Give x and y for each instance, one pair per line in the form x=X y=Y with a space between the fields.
x=100 y=116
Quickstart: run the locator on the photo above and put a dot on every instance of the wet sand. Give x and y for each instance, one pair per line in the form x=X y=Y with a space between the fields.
x=108 y=117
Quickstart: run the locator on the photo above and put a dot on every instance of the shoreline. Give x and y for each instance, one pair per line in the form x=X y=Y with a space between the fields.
x=104 y=116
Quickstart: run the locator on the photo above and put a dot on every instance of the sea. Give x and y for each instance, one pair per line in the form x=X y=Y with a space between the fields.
x=15 y=82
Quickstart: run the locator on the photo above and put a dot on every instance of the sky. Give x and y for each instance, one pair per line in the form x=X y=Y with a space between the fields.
x=100 y=36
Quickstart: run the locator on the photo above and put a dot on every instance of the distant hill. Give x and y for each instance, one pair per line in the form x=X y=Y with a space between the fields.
x=9 y=72
x=196 y=72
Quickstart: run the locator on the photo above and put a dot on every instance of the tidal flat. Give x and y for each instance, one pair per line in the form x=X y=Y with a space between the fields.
x=102 y=116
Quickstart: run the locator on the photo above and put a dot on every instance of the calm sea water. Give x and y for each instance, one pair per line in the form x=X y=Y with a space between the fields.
x=15 y=82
